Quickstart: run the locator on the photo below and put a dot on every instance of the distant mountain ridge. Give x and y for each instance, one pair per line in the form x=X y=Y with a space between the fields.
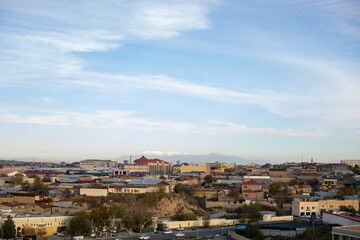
x=185 y=157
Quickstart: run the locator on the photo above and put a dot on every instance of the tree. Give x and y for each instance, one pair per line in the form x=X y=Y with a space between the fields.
x=137 y=216
x=3 y=175
x=350 y=209
x=100 y=217
x=234 y=193
x=208 y=179
x=8 y=228
x=67 y=172
x=115 y=212
x=80 y=224
x=345 y=191
x=181 y=216
x=162 y=177
x=253 y=232
x=294 y=182
x=46 y=179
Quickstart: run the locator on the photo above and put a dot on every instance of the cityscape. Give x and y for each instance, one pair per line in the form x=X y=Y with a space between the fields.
x=180 y=119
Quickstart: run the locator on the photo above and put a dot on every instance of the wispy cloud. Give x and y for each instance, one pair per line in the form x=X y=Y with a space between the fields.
x=130 y=120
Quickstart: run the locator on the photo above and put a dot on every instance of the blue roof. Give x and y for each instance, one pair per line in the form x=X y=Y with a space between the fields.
x=67 y=180
x=145 y=181
x=112 y=180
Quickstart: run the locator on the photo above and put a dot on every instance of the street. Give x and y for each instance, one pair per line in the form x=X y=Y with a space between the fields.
x=188 y=233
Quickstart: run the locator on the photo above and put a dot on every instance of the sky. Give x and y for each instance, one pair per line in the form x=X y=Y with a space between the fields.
x=271 y=80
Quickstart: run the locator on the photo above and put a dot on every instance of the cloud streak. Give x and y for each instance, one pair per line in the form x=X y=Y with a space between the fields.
x=130 y=120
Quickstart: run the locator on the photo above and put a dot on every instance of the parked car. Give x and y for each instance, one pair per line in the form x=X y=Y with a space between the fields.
x=180 y=229
x=144 y=237
x=167 y=232
x=60 y=234
x=179 y=235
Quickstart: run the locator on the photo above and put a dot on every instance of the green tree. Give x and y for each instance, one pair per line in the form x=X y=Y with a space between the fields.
x=162 y=177
x=208 y=179
x=46 y=179
x=8 y=228
x=234 y=193
x=345 y=191
x=253 y=232
x=181 y=216
x=294 y=182
x=115 y=212
x=67 y=172
x=179 y=188
x=350 y=209
x=100 y=217
x=80 y=224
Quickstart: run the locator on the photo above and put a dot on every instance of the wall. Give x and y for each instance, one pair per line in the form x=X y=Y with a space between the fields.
x=267 y=218
x=200 y=223
x=93 y=192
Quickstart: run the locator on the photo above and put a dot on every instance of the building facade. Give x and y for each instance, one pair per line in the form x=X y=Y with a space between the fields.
x=301 y=208
x=94 y=163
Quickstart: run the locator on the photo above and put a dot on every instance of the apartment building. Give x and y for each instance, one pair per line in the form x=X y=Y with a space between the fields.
x=301 y=208
x=196 y=167
x=95 y=163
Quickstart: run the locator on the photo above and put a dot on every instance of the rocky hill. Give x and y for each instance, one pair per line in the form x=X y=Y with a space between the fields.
x=169 y=205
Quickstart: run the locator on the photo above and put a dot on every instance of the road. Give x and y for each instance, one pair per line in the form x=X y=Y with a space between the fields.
x=188 y=233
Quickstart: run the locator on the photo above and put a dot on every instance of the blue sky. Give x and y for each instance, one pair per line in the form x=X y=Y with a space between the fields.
x=100 y=79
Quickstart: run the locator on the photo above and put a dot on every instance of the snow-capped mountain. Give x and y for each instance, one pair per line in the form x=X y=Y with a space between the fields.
x=186 y=157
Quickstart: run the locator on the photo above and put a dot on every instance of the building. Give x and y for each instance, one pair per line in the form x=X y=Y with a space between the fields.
x=94 y=163
x=345 y=232
x=51 y=224
x=196 y=167
x=351 y=162
x=340 y=218
x=301 y=208
x=155 y=166
x=251 y=185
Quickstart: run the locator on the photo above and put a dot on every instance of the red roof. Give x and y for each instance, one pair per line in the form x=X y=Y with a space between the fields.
x=144 y=160
x=251 y=191
x=251 y=183
x=355 y=218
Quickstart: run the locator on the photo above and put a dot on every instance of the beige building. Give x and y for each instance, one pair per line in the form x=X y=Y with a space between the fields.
x=94 y=191
x=94 y=163
x=328 y=185
x=51 y=225
x=196 y=167
x=351 y=162
x=314 y=208
x=137 y=189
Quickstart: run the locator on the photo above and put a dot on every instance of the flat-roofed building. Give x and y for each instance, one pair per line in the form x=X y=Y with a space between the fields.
x=345 y=232
x=301 y=208
x=196 y=167
x=94 y=163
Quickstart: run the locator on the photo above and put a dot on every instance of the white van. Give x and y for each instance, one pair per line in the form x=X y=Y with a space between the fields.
x=78 y=238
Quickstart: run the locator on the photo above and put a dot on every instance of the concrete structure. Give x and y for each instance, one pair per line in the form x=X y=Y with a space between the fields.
x=51 y=224
x=94 y=191
x=315 y=208
x=251 y=185
x=196 y=167
x=94 y=163
x=341 y=218
x=345 y=232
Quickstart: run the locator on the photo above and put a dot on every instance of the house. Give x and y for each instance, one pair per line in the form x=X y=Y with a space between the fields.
x=251 y=185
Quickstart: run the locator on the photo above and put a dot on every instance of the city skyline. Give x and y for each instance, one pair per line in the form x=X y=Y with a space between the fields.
x=265 y=81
